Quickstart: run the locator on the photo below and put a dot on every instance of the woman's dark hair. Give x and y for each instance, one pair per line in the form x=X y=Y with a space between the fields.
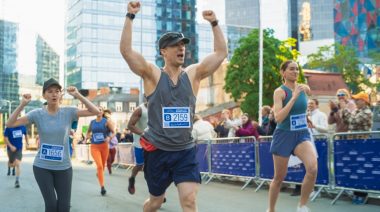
x=285 y=64
x=249 y=118
x=106 y=113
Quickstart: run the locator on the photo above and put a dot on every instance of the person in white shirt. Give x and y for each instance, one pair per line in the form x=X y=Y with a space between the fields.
x=230 y=124
x=318 y=119
x=202 y=130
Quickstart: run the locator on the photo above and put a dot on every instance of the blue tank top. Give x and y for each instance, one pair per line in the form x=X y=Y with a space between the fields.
x=296 y=119
x=99 y=131
x=171 y=110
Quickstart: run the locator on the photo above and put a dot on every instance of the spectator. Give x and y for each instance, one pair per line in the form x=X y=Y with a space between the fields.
x=246 y=129
x=128 y=136
x=202 y=130
x=118 y=135
x=335 y=116
x=318 y=118
x=359 y=120
x=230 y=124
x=220 y=129
x=268 y=122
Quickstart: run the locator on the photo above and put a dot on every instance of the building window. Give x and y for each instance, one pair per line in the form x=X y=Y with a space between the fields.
x=103 y=105
x=118 y=106
x=132 y=106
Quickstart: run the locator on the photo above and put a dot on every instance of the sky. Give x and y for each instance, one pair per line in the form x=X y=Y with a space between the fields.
x=47 y=18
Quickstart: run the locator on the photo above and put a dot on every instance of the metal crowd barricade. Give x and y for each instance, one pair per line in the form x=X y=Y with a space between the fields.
x=203 y=158
x=295 y=174
x=230 y=157
x=356 y=162
x=82 y=152
x=125 y=155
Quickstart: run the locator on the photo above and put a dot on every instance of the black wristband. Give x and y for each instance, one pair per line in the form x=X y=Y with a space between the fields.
x=130 y=16
x=214 y=23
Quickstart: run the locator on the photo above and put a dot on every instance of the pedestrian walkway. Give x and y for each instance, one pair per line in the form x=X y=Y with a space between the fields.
x=214 y=197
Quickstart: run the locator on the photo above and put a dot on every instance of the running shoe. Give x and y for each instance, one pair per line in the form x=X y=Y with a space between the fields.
x=17 y=184
x=131 y=186
x=303 y=209
x=103 y=191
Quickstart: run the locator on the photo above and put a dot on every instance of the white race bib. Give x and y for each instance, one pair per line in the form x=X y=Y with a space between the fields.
x=298 y=122
x=51 y=152
x=17 y=134
x=176 y=117
x=98 y=137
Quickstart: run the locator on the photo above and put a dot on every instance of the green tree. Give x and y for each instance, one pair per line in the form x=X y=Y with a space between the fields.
x=342 y=59
x=242 y=78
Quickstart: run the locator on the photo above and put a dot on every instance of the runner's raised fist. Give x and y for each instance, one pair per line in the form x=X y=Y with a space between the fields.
x=209 y=15
x=73 y=91
x=26 y=98
x=134 y=7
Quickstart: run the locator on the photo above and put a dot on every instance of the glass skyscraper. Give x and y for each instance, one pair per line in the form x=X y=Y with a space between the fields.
x=47 y=62
x=9 y=88
x=93 y=31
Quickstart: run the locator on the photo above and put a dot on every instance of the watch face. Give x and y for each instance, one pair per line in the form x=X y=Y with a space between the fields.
x=131 y=15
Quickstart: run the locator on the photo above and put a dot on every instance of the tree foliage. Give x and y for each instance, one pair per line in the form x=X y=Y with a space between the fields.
x=242 y=78
x=341 y=59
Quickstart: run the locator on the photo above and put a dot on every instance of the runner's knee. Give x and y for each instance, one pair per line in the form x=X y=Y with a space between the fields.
x=189 y=200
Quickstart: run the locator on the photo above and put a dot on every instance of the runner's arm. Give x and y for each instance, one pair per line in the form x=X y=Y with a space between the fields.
x=136 y=115
x=111 y=126
x=91 y=108
x=13 y=121
x=135 y=60
x=6 y=141
x=280 y=112
x=211 y=62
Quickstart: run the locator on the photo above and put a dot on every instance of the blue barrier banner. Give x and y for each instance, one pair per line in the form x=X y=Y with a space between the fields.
x=357 y=163
x=265 y=161
x=295 y=173
x=201 y=157
x=233 y=159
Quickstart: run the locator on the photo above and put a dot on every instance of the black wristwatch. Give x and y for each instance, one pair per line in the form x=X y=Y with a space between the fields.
x=214 y=23
x=130 y=16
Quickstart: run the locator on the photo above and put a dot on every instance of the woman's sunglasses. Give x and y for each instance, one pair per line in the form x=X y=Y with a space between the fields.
x=341 y=94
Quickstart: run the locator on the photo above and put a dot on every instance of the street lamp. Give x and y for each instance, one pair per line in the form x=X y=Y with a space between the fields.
x=9 y=106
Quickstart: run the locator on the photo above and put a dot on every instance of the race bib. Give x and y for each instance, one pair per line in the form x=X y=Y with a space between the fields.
x=51 y=152
x=298 y=122
x=17 y=134
x=176 y=117
x=98 y=137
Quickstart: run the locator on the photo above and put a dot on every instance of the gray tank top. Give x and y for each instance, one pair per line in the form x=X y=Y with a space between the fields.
x=141 y=124
x=171 y=111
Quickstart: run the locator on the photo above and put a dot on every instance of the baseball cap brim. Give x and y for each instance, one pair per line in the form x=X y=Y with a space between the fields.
x=175 y=41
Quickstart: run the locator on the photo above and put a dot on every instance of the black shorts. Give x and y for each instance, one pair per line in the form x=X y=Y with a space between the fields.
x=12 y=156
x=164 y=167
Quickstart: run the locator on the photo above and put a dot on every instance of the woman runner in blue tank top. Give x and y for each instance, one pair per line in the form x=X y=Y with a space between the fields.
x=100 y=132
x=291 y=135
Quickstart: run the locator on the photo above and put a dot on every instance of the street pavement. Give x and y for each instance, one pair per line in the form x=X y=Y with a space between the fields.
x=213 y=197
